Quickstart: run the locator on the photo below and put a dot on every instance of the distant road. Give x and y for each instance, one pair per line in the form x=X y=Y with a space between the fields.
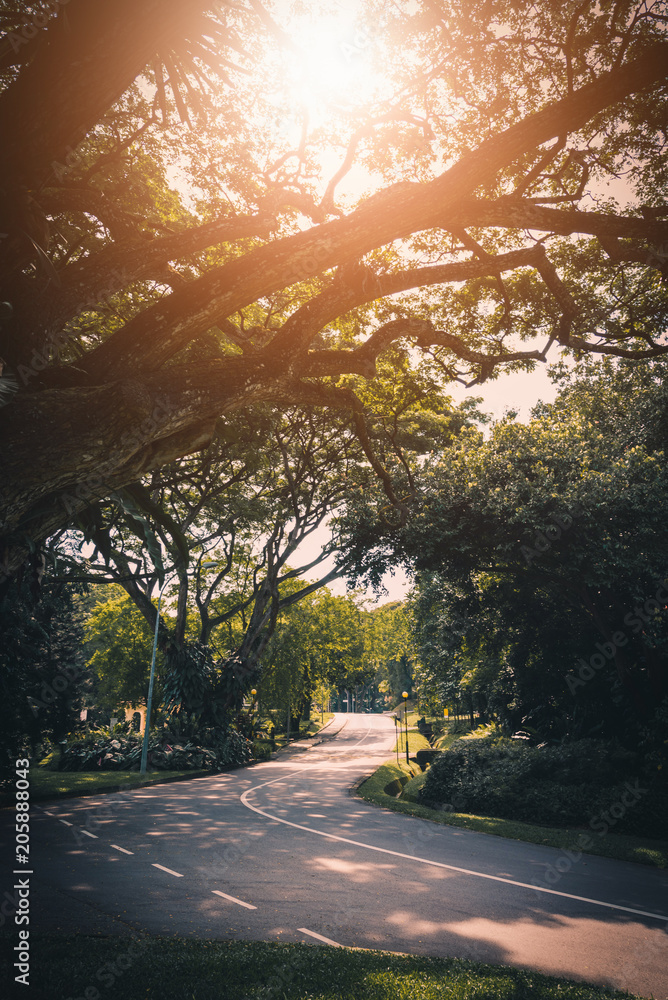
x=282 y=852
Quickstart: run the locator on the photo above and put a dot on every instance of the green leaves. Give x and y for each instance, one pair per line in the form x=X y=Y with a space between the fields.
x=139 y=525
x=537 y=544
x=120 y=642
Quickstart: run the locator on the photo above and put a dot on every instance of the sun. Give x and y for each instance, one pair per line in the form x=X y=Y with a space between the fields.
x=331 y=65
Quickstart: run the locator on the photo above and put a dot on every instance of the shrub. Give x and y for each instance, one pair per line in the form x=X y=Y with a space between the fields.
x=206 y=749
x=571 y=784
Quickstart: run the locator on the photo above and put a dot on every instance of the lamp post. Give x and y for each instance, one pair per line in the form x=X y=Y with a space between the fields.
x=252 y=711
x=396 y=736
x=404 y=695
x=144 y=749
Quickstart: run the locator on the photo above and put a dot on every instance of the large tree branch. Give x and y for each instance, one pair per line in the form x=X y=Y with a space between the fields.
x=522 y=213
x=189 y=312
x=87 y=283
x=356 y=285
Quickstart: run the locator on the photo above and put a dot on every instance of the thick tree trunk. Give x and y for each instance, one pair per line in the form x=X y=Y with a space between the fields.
x=87 y=58
x=91 y=53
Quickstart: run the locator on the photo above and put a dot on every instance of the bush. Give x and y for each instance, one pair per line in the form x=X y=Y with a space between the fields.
x=261 y=750
x=203 y=749
x=567 y=785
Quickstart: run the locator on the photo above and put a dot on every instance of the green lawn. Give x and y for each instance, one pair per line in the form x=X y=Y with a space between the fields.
x=45 y=784
x=152 y=968
x=622 y=848
x=416 y=741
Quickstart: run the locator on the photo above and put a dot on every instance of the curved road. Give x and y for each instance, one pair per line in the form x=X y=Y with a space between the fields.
x=281 y=851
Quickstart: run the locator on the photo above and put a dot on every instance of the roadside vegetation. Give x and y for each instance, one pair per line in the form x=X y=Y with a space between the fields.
x=46 y=785
x=47 y=781
x=494 y=770
x=152 y=968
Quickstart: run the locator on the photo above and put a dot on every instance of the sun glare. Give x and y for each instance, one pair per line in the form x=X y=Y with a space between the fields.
x=332 y=66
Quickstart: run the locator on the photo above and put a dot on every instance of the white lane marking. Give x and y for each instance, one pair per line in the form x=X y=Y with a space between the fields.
x=65 y=822
x=94 y=836
x=117 y=848
x=168 y=870
x=305 y=930
x=47 y=813
x=233 y=899
x=434 y=864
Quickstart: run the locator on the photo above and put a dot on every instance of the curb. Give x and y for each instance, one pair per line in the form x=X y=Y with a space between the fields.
x=358 y=782
x=314 y=740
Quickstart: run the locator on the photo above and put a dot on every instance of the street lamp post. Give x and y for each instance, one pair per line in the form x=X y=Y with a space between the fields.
x=252 y=711
x=144 y=749
x=404 y=695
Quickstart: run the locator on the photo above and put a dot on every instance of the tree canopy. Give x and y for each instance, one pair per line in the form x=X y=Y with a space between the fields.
x=194 y=220
x=540 y=555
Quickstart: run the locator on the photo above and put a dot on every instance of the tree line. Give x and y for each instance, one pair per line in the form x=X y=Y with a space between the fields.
x=196 y=375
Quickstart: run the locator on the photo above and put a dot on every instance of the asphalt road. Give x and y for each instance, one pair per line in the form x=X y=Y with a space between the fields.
x=282 y=852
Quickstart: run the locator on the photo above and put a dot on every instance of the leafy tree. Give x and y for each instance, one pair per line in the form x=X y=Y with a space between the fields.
x=318 y=642
x=138 y=316
x=540 y=555
x=224 y=524
x=390 y=649
x=43 y=680
x=122 y=644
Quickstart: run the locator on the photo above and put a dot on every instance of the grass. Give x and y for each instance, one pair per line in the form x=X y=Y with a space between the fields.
x=318 y=721
x=45 y=784
x=153 y=968
x=617 y=846
x=415 y=742
x=391 y=775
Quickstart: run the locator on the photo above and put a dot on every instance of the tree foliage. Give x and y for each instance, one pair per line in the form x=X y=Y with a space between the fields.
x=121 y=643
x=138 y=315
x=43 y=678
x=318 y=645
x=541 y=556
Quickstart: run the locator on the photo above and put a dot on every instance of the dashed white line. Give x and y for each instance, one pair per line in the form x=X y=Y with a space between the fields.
x=65 y=822
x=47 y=813
x=233 y=899
x=168 y=870
x=305 y=930
x=93 y=836
x=428 y=861
x=117 y=848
